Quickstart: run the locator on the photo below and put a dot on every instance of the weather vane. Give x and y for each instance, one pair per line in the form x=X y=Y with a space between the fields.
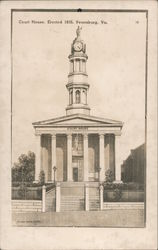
x=78 y=31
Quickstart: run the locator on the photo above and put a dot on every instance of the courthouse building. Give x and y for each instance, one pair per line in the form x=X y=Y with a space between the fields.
x=79 y=146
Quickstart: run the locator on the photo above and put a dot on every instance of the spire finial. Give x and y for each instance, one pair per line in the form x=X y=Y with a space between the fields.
x=78 y=31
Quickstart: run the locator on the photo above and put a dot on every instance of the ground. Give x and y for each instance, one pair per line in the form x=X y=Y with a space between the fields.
x=107 y=218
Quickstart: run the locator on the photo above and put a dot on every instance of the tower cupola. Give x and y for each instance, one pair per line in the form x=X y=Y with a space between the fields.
x=78 y=79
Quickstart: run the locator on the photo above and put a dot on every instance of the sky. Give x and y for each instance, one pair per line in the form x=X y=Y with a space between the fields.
x=115 y=44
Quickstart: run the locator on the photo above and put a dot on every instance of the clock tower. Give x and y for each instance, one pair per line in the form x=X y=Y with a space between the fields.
x=78 y=79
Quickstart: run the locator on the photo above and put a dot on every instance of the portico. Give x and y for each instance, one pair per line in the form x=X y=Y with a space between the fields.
x=82 y=148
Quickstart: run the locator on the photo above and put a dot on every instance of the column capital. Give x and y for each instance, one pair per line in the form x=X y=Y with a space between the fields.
x=101 y=135
x=53 y=135
x=38 y=133
x=85 y=136
x=69 y=135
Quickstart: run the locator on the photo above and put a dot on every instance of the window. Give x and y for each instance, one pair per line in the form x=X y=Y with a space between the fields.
x=77 y=96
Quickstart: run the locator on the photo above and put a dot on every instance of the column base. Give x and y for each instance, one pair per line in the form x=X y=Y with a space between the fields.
x=117 y=181
x=36 y=181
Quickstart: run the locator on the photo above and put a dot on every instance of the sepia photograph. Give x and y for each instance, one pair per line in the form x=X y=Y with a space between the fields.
x=78 y=118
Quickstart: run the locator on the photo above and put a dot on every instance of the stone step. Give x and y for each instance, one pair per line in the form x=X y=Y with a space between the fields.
x=72 y=197
x=94 y=205
x=79 y=184
x=26 y=203
x=27 y=210
x=25 y=207
x=94 y=197
x=72 y=204
x=71 y=209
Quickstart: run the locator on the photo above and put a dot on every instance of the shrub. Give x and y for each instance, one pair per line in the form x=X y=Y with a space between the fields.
x=117 y=194
x=22 y=191
x=42 y=177
x=123 y=186
x=109 y=176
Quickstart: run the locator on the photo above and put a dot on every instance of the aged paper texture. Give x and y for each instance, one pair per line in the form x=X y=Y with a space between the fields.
x=78 y=125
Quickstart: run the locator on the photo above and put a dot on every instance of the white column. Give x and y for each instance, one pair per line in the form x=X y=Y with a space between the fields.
x=81 y=95
x=38 y=157
x=71 y=66
x=43 y=198
x=69 y=157
x=81 y=69
x=117 y=161
x=57 y=197
x=85 y=146
x=73 y=96
x=53 y=147
x=77 y=65
x=86 y=197
x=74 y=65
x=101 y=157
x=101 y=196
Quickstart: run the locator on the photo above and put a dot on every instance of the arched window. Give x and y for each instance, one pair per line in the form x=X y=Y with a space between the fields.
x=71 y=97
x=77 y=96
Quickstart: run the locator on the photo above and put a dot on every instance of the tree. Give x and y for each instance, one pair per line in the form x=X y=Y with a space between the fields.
x=24 y=169
x=109 y=176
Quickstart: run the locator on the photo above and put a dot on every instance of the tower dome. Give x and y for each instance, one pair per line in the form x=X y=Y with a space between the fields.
x=77 y=78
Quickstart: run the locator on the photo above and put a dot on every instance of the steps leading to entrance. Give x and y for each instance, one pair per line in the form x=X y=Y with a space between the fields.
x=78 y=184
x=94 y=202
x=72 y=203
x=50 y=200
x=72 y=196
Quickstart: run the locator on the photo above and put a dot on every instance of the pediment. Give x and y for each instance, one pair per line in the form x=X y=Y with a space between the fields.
x=77 y=120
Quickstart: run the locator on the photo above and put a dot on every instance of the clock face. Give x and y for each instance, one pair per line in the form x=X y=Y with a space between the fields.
x=78 y=46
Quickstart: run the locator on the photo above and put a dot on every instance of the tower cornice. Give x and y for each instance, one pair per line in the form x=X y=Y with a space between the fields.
x=78 y=56
x=77 y=73
x=77 y=85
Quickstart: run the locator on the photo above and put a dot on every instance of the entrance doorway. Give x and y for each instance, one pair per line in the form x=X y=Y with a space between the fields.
x=75 y=174
x=77 y=168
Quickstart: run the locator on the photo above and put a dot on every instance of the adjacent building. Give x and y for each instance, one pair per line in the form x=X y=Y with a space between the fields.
x=133 y=168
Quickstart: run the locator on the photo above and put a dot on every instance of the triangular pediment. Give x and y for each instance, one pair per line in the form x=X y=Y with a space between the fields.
x=77 y=120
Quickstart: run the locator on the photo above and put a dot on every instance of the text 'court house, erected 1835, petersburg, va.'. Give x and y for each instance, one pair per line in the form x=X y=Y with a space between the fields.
x=77 y=147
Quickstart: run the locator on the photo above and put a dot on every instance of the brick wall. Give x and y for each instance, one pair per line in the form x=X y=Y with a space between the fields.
x=123 y=205
x=26 y=206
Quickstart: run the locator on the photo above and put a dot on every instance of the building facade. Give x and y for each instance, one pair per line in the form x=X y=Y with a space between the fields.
x=77 y=147
x=133 y=168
